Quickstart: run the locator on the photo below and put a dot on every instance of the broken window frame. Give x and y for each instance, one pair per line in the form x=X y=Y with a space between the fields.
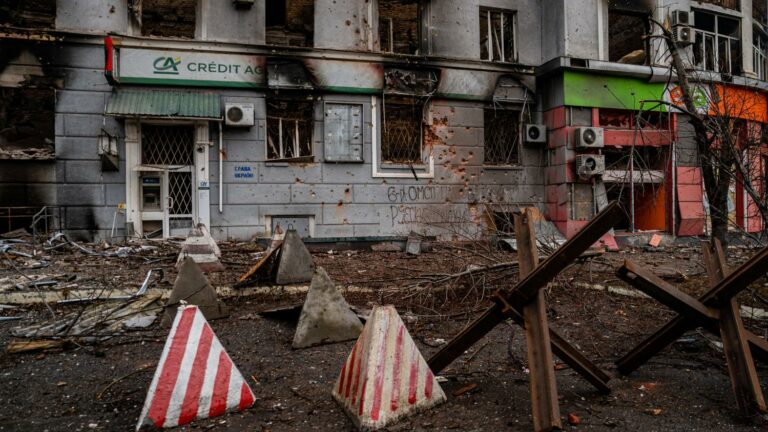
x=646 y=31
x=42 y=114
x=296 y=145
x=702 y=59
x=402 y=101
x=760 y=54
x=513 y=158
x=391 y=35
x=288 y=31
x=486 y=49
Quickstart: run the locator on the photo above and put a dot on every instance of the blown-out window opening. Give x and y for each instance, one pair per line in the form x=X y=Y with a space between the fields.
x=289 y=129
x=497 y=35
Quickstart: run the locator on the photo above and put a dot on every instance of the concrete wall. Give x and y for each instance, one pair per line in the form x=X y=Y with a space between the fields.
x=454 y=28
x=345 y=24
x=225 y=23
x=92 y=16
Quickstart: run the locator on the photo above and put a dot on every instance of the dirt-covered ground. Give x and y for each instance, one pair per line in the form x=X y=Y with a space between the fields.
x=101 y=386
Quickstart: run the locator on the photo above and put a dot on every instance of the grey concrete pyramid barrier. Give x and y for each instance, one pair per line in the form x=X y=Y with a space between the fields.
x=295 y=262
x=192 y=287
x=326 y=316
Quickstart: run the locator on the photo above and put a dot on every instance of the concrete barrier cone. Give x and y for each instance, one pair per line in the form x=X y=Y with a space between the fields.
x=326 y=316
x=201 y=247
x=191 y=286
x=195 y=378
x=385 y=378
x=295 y=262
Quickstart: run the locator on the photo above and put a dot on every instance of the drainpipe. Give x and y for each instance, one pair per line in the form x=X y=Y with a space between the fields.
x=221 y=167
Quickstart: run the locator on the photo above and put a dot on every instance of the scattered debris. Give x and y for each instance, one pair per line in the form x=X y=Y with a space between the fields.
x=467 y=389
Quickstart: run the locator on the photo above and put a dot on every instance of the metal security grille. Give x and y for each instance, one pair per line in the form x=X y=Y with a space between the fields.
x=167 y=145
x=502 y=137
x=180 y=191
x=402 y=130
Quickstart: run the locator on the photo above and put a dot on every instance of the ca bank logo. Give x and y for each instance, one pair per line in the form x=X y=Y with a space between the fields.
x=167 y=65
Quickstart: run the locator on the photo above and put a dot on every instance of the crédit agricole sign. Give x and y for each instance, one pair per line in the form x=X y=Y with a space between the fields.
x=187 y=68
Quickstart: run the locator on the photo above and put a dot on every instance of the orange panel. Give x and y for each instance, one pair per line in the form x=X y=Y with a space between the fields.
x=650 y=208
x=740 y=102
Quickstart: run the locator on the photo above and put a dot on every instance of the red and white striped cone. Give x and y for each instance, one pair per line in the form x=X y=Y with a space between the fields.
x=385 y=378
x=195 y=378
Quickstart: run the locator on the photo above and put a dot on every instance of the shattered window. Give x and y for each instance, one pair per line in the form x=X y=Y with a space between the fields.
x=28 y=14
x=497 y=35
x=27 y=119
x=627 y=41
x=399 y=25
x=168 y=18
x=289 y=129
x=401 y=133
x=290 y=22
x=718 y=46
x=760 y=54
x=501 y=136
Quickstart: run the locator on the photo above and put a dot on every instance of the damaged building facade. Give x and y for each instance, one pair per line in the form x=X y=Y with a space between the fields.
x=357 y=119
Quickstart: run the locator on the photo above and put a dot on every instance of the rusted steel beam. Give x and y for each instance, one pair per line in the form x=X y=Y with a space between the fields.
x=545 y=408
x=725 y=289
x=654 y=286
x=741 y=365
x=519 y=295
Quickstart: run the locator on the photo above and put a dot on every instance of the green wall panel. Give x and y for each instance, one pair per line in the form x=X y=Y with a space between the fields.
x=602 y=91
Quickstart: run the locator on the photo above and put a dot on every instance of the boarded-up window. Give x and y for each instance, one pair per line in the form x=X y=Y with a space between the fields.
x=399 y=25
x=169 y=18
x=289 y=129
x=501 y=136
x=290 y=22
x=343 y=132
x=401 y=133
x=27 y=119
x=28 y=14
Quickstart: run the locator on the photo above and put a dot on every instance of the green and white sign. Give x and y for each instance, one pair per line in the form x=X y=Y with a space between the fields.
x=189 y=68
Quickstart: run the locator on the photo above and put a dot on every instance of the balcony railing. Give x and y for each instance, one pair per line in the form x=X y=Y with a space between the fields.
x=728 y=4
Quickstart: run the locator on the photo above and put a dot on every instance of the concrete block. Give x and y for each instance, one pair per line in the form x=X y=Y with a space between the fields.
x=290 y=173
x=77 y=148
x=326 y=316
x=257 y=193
x=321 y=193
x=373 y=230
x=86 y=79
x=244 y=214
x=82 y=125
x=343 y=173
x=242 y=151
x=80 y=194
x=115 y=193
x=84 y=172
x=27 y=172
x=351 y=214
x=325 y=231
x=80 y=102
x=458 y=116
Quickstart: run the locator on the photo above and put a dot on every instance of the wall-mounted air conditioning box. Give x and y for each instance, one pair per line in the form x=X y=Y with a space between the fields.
x=589 y=137
x=239 y=114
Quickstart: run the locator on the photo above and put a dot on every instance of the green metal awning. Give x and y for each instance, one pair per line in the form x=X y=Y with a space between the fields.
x=165 y=104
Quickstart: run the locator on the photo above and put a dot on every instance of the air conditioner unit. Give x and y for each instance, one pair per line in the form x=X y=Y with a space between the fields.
x=681 y=17
x=535 y=134
x=239 y=114
x=588 y=166
x=683 y=35
x=589 y=137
